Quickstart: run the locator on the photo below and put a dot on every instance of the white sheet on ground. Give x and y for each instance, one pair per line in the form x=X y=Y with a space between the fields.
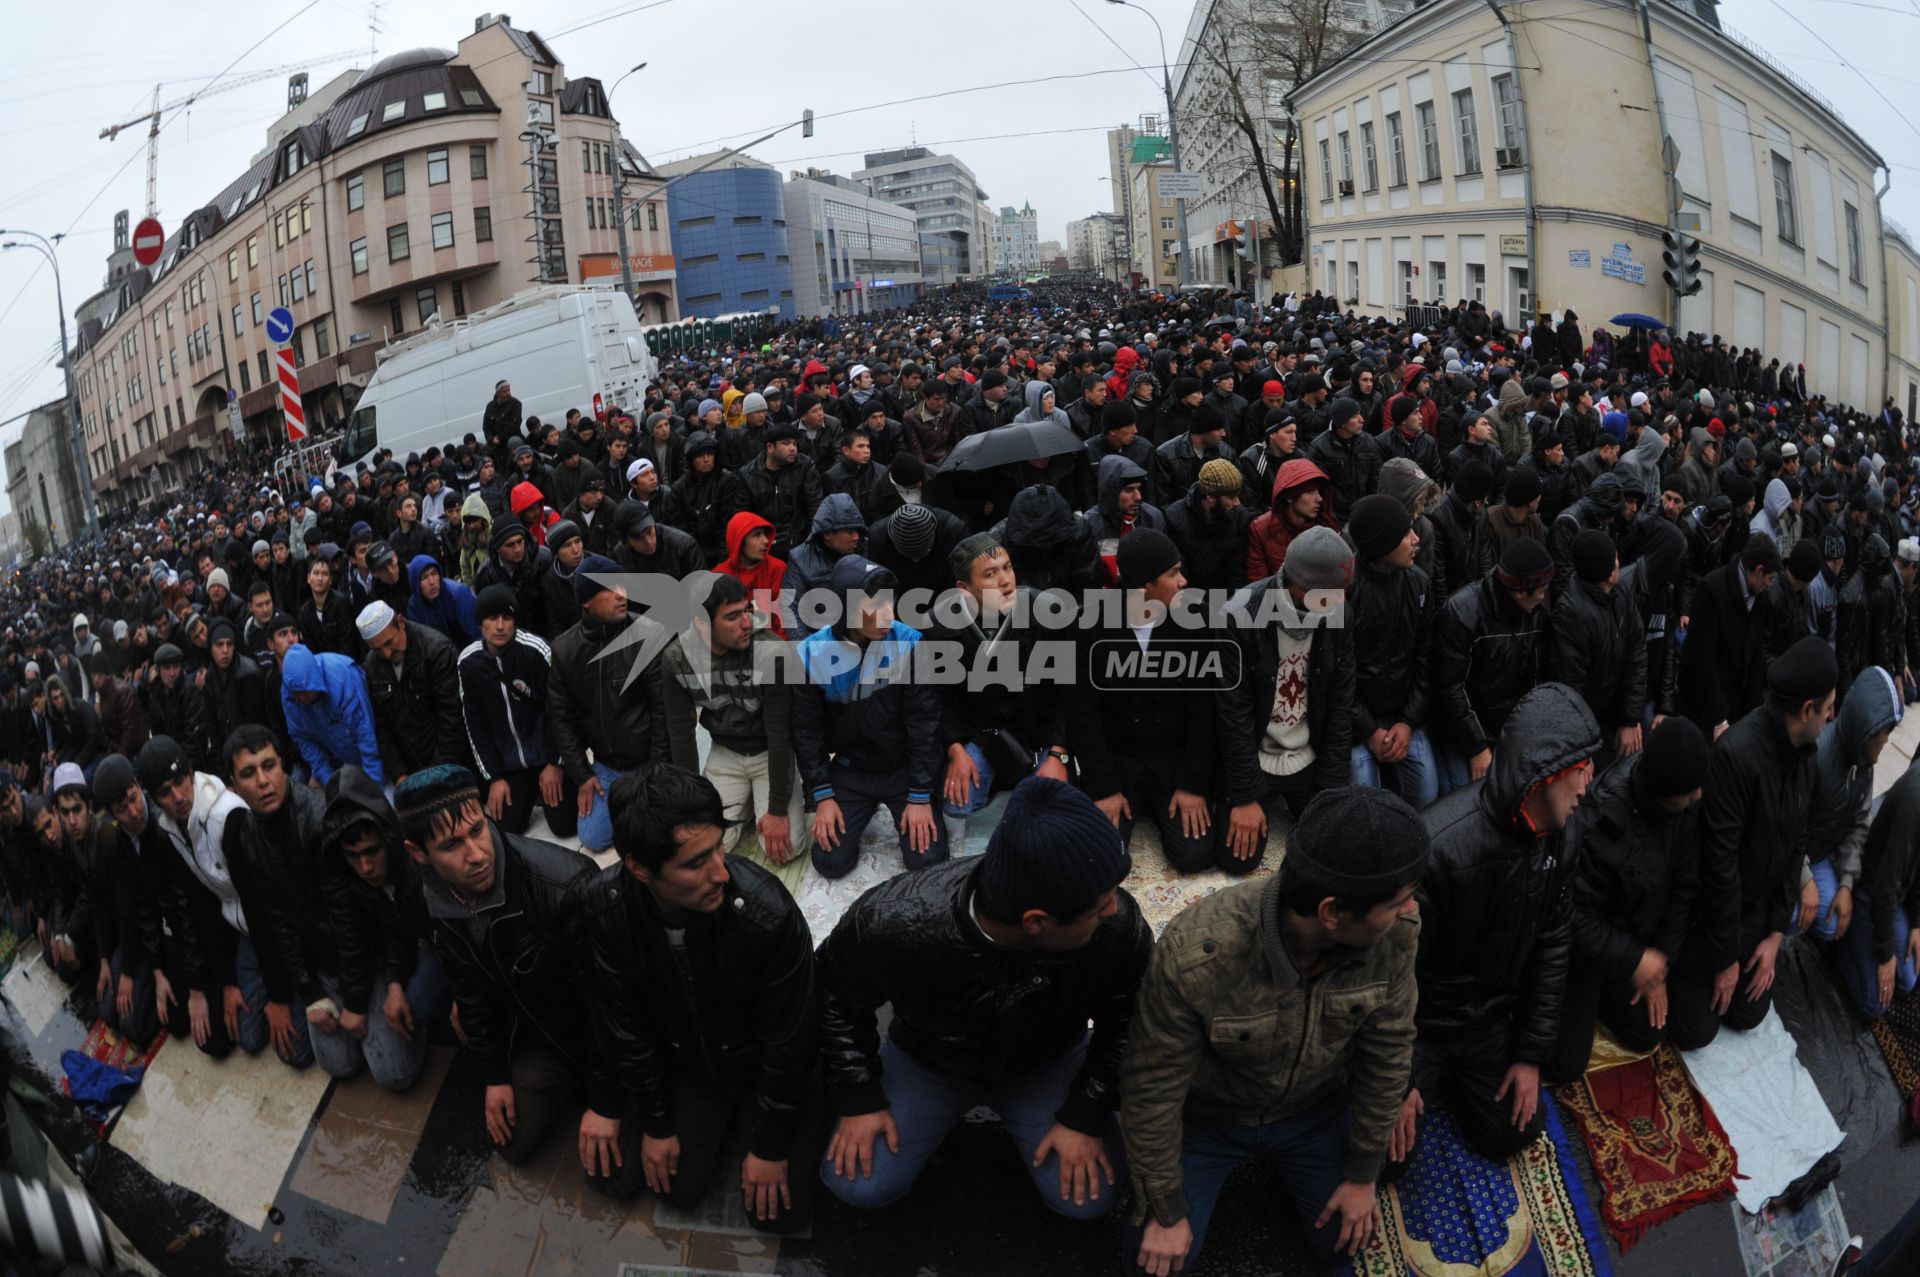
x=1768 y=1104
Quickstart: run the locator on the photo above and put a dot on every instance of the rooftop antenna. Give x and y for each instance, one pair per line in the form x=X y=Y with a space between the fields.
x=373 y=31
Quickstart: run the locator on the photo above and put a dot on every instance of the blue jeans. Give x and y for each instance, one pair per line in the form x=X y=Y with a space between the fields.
x=1858 y=969
x=1415 y=778
x=596 y=827
x=982 y=792
x=1455 y=771
x=1306 y=1151
x=1827 y=882
x=254 y=1032
x=927 y=1104
x=392 y=1060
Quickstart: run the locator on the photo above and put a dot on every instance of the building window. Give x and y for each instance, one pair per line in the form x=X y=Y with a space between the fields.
x=586 y=157
x=266 y=374
x=443 y=230
x=433 y=102
x=1369 y=159
x=169 y=314
x=311 y=290
x=1506 y=100
x=476 y=161
x=299 y=350
x=428 y=301
x=1396 y=152
x=359 y=250
x=541 y=83
x=482 y=224
x=233 y=266
x=1853 y=243
x=299 y=286
x=246 y=384
x=322 y=339
x=470 y=96
x=1166 y=223
x=591 y=224
x=396 y=317
x=1326 y=170
x=1783 y=202
x=395 y=173
x=459 y=299
x=398 y=248
x=437 y=168
x=259 y=307
x=1346 y=158
x=253 y=252
x=653 y=218
x=358 y=126
x=1429 y=126
x=394 y=111
x=1467 y=132
x=356 y=193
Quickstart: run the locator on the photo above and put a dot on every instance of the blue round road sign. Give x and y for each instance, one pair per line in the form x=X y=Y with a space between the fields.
x=280 y=324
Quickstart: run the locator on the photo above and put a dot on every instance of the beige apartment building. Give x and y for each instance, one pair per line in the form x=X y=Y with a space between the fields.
x=1903 y=305
x=436 y=183
x=1156 y=239
x=1436 y=169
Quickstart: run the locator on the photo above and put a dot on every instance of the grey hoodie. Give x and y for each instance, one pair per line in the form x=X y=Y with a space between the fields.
x=1036 y=390
x=1775 y=522
x=1642 y=462
x=1839 y=815
x=1116 y=472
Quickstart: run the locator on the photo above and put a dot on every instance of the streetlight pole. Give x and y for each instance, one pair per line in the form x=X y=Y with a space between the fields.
x=74 y=441
x=620 y=204
x=1173 y=133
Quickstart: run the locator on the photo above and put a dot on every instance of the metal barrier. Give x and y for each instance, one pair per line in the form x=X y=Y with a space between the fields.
x=1428 y=317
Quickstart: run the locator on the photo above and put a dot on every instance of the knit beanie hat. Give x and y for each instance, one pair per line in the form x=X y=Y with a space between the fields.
x=1525 y=566
x=1219 y=477
x=1675 y=759
x=112 y=779
x=429 y=791
x=1833 y=544
x=1402 y=407
x=1054 y=850
x=504 y=531
x=907 y=470
x=1144 y=553
x=562 y=532
x=1118 y=415
x=219 y=577
x=1474 y=481
x=1737 y=489
x=1319 y=559
x=1377 y=524
x=161 y=760
x=1359 y=842
x=753 y=402
x=1804 y=559
x=1523 y=485
x=913 y=528
x=1807 y=671
x=261 y=547
x=496 y=600
x=1594 y=556
x=584 y=584
x=1206 y=419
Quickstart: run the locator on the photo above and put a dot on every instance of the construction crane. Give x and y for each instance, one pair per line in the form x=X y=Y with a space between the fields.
x=152 y=118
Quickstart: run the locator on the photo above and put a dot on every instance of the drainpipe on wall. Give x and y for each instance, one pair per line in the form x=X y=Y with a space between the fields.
x=1526 y=155
x=1886 y=296
x=1660 y=115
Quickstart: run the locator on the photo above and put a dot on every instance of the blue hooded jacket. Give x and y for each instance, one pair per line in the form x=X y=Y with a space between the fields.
x=451 y=613
x=338 y=728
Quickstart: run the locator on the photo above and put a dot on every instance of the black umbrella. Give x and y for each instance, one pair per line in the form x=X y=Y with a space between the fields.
x=1005 y=445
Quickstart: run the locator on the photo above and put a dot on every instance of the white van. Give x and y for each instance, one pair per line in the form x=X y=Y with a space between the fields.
x=561 y=346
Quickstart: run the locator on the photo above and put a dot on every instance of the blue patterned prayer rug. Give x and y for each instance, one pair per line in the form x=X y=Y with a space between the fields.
x=1456 y=1214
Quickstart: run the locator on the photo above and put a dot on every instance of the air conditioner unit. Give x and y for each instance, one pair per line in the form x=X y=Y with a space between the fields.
x=1346 y=187
x=1506 y=157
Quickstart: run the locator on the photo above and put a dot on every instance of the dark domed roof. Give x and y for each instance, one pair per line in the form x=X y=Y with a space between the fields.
x=397 y=62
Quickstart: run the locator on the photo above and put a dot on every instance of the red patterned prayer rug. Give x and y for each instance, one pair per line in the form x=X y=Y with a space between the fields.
x=108 y=1047
x=1657 y=1148
x=1898 y=1033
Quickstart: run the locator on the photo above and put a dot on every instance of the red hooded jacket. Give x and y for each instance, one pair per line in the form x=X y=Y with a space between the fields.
x=764 y=579
x=1274 y=531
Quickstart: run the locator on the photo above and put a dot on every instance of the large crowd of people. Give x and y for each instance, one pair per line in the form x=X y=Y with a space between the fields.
x=1568 y=665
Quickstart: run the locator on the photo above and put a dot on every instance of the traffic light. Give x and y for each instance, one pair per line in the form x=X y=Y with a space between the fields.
x=1243 y=239
x=1682 y=256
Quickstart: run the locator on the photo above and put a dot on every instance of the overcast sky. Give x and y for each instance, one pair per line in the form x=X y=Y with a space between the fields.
x=720 y=71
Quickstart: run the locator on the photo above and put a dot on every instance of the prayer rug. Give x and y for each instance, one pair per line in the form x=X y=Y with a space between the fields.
x=1657 y=1148
x=1898 y=1033
x=1768 y=1104
x=109 y=1048
x=1455 y=1212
